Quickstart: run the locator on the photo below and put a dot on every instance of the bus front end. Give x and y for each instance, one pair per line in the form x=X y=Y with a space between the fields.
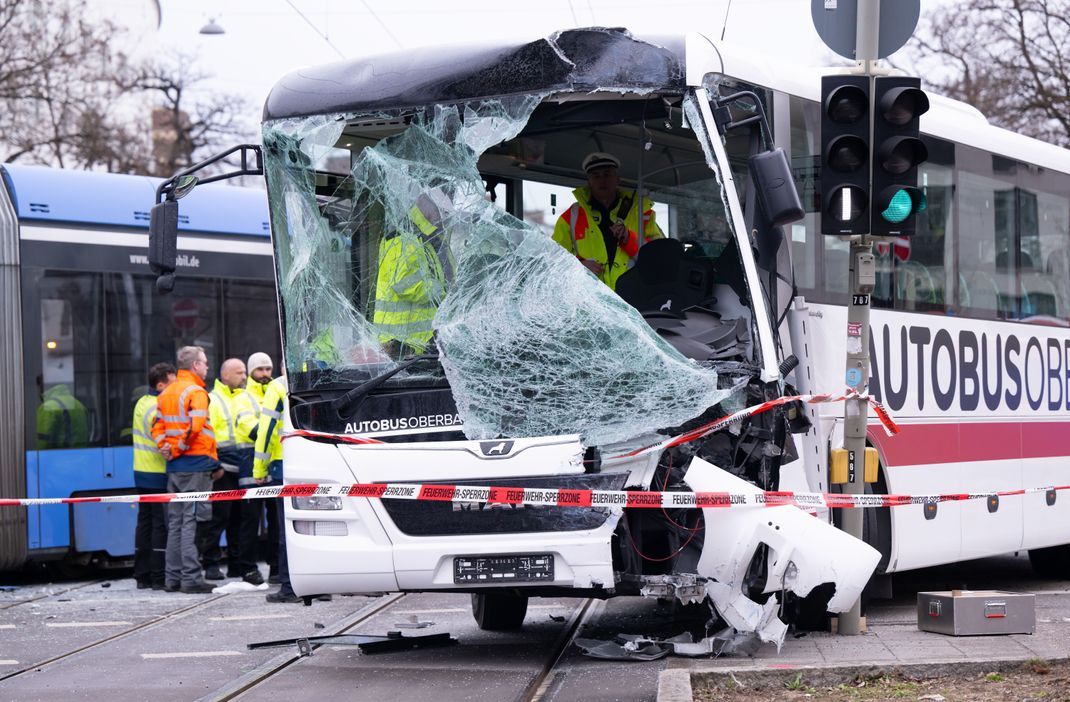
x=441 y=329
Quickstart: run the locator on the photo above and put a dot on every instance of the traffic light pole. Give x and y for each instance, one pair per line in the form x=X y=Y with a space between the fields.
x=861 y=280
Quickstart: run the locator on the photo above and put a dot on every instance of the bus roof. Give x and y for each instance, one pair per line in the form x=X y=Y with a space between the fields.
x=597 y=59
x=572 y=60
x=86 y=197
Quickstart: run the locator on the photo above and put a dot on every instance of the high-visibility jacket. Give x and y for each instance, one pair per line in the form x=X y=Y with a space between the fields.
x=268 y=455
x=62 y=421
x=247 y=412
x=410 y=285
x=246 y=421
x=223 y=412
x=577 y=230
x=183 y=425
x=150 y=468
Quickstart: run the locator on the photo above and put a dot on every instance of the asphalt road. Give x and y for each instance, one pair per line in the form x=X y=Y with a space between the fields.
x=104 y=639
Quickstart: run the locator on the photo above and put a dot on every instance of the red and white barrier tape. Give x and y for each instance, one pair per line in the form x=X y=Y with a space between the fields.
x=890 y=427
x=542 y=497
x=563 y=498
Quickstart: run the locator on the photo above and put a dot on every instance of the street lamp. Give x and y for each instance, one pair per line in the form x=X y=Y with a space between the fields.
x=212 y=28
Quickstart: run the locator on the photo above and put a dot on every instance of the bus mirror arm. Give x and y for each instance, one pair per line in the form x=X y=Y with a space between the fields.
x=770 y=170
x=163 y=222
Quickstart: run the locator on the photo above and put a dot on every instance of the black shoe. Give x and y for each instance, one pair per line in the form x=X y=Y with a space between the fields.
x=197 y=589
x=171 y=587
x=213 y=572
x=253 y=577
x=280 y=596
x=159 y=586
x=143 y=584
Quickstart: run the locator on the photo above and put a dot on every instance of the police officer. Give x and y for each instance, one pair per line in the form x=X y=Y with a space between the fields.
x=601 y=227
x=247 y=413
x=150 y=477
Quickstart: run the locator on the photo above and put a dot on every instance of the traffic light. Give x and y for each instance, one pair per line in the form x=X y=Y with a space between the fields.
x=898 y=103
x=845 y=155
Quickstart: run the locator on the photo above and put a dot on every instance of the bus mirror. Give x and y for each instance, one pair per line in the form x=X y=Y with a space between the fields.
x=183 y=186
x=163 y=243
x=776 y=188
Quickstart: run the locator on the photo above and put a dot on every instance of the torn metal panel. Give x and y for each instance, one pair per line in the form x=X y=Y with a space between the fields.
x=575 y=60
x=623 y=647
x=745 y=615
x=804 y=552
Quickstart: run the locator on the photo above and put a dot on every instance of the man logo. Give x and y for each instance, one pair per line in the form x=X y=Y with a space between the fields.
x=495 y=448
x=667 y=307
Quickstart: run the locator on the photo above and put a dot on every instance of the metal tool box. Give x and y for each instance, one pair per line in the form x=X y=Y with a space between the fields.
x=976 y=612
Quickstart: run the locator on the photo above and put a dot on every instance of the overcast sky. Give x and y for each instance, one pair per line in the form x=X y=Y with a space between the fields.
x=265 y=39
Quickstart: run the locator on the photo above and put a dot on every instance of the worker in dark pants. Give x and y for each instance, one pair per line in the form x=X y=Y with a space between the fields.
x=226 y=514
x=267 y=470
x=257 y=511
x=150 y=477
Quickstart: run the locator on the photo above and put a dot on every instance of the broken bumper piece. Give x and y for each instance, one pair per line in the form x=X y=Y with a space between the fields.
x=803 y=552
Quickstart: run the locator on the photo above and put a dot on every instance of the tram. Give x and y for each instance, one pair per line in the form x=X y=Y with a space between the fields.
x=81 y=324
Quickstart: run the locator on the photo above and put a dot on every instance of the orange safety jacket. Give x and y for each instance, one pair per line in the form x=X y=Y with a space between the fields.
x=182 y=424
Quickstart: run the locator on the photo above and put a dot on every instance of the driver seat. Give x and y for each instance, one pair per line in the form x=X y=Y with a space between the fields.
x=665 y=279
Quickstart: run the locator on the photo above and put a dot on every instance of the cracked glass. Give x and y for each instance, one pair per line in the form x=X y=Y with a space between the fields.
x=398 y=260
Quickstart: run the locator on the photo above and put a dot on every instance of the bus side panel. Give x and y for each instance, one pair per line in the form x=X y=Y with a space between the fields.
x=942 y=534
x=1047 y=515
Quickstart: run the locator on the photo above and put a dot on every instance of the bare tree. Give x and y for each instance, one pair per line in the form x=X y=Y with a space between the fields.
x=69 y=98
x=56 y=78
x=187 y=124
x=1008 y=58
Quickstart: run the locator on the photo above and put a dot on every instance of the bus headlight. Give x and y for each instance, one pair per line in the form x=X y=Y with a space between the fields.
x=317 y=502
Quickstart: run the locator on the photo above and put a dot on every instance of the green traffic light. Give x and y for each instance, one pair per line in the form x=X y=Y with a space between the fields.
x=902 y=205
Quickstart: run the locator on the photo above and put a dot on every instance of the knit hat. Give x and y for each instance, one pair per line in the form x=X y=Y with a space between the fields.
x=259 y=360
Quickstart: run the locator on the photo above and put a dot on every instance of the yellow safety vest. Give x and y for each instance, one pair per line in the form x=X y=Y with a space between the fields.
x=222 y=413
x=62 y=420
x=269 y=432
x=147 y=458
x=246 y=407
x=410 y=285
x=577 y=230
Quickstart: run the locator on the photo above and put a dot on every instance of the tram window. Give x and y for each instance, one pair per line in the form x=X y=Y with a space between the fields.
x=70 y=409
x=145 y=328
x=251 y=319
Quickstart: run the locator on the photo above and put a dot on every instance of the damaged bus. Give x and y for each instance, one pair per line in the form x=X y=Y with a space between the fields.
x=435 y=331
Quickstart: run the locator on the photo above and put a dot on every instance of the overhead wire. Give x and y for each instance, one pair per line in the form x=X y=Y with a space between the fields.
x=315 y=28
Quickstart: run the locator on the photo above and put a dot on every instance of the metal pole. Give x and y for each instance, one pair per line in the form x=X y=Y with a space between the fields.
x=861 y=280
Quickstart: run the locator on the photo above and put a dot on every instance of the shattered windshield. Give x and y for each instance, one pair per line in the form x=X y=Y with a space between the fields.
x=434 y=235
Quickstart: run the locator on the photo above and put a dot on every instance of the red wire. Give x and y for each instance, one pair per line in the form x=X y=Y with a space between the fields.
x=690 y=537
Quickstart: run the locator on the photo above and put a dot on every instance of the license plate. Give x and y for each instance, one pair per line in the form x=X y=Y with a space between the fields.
x=503 y=569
